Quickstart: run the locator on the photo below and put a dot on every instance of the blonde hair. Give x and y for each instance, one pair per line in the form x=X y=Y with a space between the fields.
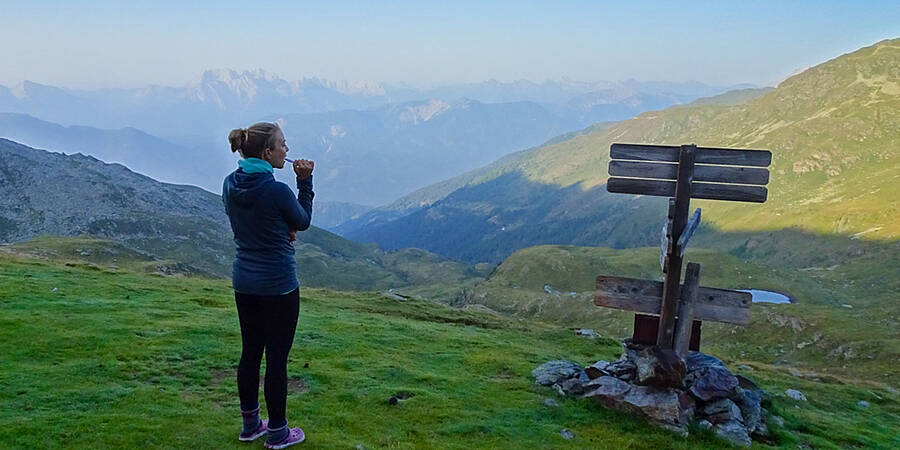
x=251 y=141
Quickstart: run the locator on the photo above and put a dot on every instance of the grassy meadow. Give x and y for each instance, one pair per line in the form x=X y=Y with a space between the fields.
x=96 y=356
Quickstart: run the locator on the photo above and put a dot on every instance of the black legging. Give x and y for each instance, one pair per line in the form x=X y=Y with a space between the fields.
x=267 y=323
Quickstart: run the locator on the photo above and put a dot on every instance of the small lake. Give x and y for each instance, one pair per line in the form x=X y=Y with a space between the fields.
x=760 y=296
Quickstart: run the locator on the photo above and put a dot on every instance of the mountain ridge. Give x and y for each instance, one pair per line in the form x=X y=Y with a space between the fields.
x=822 y=181
x=74 y=195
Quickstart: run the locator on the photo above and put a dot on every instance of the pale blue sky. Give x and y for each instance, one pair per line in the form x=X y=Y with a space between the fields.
x=93 y=44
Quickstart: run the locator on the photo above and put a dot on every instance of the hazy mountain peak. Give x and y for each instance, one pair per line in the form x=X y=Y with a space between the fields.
x=27 y=89
x=418 y=112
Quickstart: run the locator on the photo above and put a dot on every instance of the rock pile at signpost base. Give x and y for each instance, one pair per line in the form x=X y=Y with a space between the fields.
x=667 y=390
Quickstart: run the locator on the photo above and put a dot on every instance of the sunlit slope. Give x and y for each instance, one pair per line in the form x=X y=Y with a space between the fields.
x=834 y=131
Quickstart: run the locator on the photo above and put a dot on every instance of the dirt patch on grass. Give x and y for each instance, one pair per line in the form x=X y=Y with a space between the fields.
x=218 y=376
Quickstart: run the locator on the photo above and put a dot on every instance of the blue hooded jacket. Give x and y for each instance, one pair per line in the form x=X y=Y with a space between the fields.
x=262 y=212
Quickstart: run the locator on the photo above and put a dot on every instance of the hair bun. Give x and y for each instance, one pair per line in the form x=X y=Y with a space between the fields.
x=237 y=138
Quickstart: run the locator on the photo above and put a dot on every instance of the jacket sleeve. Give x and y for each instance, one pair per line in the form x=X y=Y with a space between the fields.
x=298 y=213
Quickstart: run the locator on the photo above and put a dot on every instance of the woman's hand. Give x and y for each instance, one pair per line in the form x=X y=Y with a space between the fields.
x=303 y=168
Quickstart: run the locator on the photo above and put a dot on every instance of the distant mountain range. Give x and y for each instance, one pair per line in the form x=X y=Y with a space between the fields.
x=223 y=98
x=834 y=131
x=373 y=142
x=72 y=195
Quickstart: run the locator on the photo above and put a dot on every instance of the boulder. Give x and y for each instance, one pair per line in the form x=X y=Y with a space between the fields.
x=573 y=386
x=750 y=403
x=622 y=368
x=711 y=382
x=733 y=432
x=660 y=405
x=761 y=431
x=696 y=361
x=559 y=390
x=587 y=333
x=550 y=403
x=566 y=434
x=795 y=394
x=552 y=372
x=722 y=410
x=655 y=366
x=607 y=390
x=597 y=369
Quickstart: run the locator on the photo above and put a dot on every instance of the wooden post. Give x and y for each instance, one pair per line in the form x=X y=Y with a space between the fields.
x=672 y=283
x=686 y=308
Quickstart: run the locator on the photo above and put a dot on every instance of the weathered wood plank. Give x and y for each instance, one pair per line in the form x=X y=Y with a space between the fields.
x=665 y=171
x=645 y=296
x=709 y=191
x=641 y=187
x=686 y=308
x=705 y=155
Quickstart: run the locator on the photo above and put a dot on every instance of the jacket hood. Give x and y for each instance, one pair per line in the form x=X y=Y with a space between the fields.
x=246 y=188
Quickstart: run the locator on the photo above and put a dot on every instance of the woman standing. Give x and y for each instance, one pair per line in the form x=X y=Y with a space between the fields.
x=264 y=217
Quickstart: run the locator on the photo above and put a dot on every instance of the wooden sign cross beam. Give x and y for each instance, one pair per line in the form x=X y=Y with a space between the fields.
x=683 y=173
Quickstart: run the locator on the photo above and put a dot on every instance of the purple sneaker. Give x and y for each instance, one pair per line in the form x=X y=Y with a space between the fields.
x=295 y=436
x=260 y=430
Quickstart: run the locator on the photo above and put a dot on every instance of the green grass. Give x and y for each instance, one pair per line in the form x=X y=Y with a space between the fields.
x=122 y=359
x=817 y=334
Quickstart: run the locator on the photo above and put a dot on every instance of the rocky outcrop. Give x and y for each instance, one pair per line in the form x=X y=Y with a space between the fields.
x=667 y=390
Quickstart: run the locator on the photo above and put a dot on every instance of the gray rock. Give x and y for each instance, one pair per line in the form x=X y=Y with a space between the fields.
x=573 y=386
x=550 y=403
x=655 y=366
x=704 y=424
x=743 y=367
x=664 y=406
x=761 y=430
x=778 y=421
x=606 y=387
x=597 y=369
x=587 y=333
x=559 y=390
x=748 y=384
x=733 y=432
x=712 y=382
x=629 y=377
x=659 y=405
x=554 y=371
x=863 y=404
x=722 y=410
x=795 y=394
x=750 y=403
x=696 y=361
x=621 y=368
x=566 y=434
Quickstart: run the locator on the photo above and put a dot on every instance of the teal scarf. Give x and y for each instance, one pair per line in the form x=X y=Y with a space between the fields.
x=255 y=165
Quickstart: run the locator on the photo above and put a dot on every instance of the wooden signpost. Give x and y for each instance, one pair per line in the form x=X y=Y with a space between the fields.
x=681 y=173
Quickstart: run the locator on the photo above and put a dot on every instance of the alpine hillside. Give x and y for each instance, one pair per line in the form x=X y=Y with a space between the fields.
x=834 y=131
x=182 y=228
